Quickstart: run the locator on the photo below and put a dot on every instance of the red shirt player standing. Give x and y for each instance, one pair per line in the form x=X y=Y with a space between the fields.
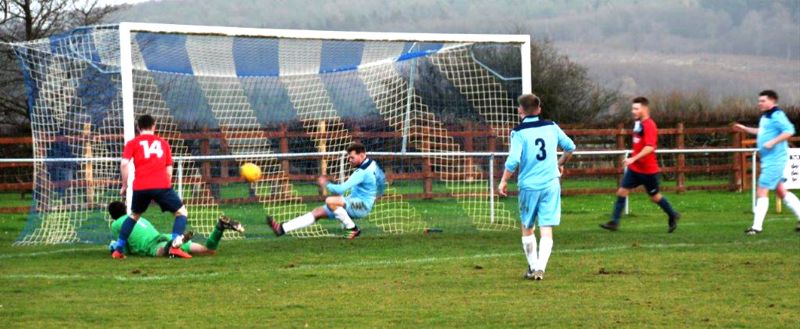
x=642 y=167
x=152 y=181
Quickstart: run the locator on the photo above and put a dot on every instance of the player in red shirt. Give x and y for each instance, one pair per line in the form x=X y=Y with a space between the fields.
x=642 y=167
x=152 y=181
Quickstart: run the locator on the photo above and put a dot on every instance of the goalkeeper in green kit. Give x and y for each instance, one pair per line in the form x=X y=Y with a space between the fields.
x=145 y=240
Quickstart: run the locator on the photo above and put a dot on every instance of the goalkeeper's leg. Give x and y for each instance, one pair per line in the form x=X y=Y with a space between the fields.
x=297 y=223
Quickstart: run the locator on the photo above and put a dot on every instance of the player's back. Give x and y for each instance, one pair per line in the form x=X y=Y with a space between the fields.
x=151 y=155
x=534 y=143
x=142 y=235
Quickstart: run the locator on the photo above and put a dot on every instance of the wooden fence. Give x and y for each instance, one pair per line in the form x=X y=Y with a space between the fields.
x=736 y=166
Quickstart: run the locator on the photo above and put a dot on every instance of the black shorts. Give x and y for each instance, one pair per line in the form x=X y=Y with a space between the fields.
x=632 y=179
x=166 y=198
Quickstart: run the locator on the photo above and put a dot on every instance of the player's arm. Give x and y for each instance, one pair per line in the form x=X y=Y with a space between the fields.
x=645 y=151
x=786 y=127
x=512 y=162
x=168 y=159
x=356 y=178
x=745 y=129
x=566 y=144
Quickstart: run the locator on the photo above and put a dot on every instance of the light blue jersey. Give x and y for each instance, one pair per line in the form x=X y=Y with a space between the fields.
x=365 y=184
x=533 y=149
x=772 y=124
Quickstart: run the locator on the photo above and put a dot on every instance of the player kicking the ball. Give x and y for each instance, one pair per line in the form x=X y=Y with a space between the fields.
x=533 y=150
x=774 y=129
x=145 y=240
x=365 y=185
x=152 y=181
x=642 y=167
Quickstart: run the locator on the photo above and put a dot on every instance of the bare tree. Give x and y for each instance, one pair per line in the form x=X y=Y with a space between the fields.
x=24 y=20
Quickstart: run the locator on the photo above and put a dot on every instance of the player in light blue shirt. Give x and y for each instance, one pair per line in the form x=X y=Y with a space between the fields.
x=533 y=150
x=774 y=129
x=365 y=184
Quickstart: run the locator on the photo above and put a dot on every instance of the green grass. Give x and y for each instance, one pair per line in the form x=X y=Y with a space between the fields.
x=706 y=274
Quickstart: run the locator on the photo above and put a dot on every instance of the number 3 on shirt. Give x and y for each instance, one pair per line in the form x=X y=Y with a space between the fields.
x=154 y=148
x=542 y=153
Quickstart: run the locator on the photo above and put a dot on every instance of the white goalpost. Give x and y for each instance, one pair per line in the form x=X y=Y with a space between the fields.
x=228 y=91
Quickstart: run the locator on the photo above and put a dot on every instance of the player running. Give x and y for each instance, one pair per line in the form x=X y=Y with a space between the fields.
x=152 y=159
x=642 y=168
x=145 y=240
x=365 y=185
x=533 y=150
x=772 y=135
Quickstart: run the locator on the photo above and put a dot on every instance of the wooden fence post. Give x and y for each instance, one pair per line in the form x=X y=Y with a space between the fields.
x=738 y=172
x=681 y=177
x=284 y=145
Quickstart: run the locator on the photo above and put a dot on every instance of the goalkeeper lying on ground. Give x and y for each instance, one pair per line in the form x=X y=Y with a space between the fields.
x=145 y=240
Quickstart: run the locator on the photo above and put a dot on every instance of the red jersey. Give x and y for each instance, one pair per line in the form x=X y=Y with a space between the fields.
x=645 y=133
x=151 y=155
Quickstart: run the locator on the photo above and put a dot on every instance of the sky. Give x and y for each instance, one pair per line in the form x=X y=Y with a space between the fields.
x=119 y=2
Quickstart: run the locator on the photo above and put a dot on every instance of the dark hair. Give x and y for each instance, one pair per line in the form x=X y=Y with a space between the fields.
x=146 y=122
x=771 y=94
x=117 y=209
x=641 y=100
x=529 y=102
x=358 y=147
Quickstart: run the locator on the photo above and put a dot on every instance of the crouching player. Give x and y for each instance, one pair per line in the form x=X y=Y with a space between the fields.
x=145 y=240
x=365 y=185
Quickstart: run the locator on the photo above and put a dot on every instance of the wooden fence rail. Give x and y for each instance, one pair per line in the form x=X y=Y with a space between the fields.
x=737 y=167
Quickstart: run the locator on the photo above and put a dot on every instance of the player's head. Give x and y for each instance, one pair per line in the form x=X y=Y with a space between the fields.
x=356 y=153
x=529 y=104
x=640 y=108
x=146 y=122
x=117 y=209
x=767 y=100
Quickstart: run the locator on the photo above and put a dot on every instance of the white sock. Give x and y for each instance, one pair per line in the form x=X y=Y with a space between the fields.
x=343 y=217
x=299 y=222
x=792 y=203
x=759 y=212
x=529 y=247
x=177 y=241
x=545 y=247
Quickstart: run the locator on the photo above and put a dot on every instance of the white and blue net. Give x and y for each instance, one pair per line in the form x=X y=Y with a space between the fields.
x=224 y=95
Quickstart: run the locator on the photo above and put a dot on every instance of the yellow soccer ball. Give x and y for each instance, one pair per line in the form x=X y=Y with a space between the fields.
x=250 y=172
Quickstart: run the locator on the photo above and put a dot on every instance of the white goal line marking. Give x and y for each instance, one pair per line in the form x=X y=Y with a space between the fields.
x=380 y=263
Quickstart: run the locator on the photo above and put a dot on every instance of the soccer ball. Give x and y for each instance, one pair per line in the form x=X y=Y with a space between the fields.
x=250 y=172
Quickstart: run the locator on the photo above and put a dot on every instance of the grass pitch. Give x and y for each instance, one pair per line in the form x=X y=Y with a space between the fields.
x=706 y=274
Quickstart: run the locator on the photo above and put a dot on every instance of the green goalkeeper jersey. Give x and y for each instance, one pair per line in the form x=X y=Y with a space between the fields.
x=143 y=236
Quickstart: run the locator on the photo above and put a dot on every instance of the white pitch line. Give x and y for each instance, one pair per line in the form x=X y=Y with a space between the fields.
x=58 y=251
x=384 y=263
x=50 y=252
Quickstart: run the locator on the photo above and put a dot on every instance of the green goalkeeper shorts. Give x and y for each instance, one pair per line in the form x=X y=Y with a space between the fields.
x=152 y=250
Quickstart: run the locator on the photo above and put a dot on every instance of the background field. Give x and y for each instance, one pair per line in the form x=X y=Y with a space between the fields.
x=707 y=274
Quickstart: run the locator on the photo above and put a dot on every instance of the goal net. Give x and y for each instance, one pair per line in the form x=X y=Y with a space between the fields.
x=225 y=96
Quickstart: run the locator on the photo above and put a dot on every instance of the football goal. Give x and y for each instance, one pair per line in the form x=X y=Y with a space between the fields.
x=290 y=101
